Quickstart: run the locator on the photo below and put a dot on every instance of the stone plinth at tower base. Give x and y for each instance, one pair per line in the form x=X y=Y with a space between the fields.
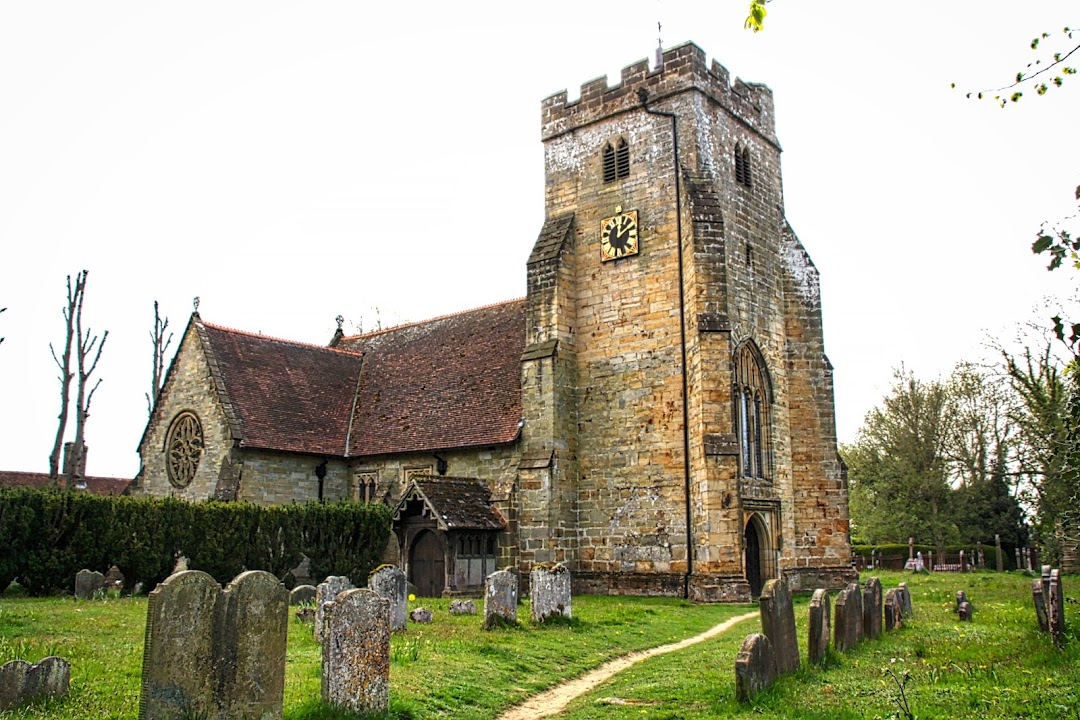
x=356 y=652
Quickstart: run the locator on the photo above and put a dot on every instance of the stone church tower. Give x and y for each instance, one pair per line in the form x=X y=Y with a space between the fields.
x=679 y=432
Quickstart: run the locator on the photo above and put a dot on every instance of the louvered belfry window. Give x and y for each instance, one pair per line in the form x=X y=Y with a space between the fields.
x=616 y=160
x=742 y=165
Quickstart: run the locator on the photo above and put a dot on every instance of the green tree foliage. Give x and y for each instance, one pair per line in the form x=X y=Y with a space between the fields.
x=340 y=542
x=755 y=20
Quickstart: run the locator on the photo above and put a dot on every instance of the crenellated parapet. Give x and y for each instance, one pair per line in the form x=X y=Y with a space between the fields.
x=684 y=68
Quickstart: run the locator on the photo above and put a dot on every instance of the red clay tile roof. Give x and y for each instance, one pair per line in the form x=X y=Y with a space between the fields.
x=449 y=382
x=283 y=395
x=41 y=481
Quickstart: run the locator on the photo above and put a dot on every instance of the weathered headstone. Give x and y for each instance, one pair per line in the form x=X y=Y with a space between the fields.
x=88 y=583
x=998 y=556
x=778 y=624
x=462 y=607
x=905 y=599
x=755 y=667
x=421 y=616
x=1046 y=569
x=500 y=599
x=894 y=609
x=818 y=643
x=964 y=611
x=327 y=590
x=1040 y=604
x=21 y=682
x=303 y=594
x=1055 y=608
x=356 y=652
x=847 y=618
x=872 y=609
x=218 y=654
x=114 y=579
x=389 y=582
x=550 y=592
x=961 y=598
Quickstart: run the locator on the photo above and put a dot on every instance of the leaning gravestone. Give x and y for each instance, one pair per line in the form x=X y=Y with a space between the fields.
x=328 y=589
x=389 y=582
x=550 y=592
x=905 y=599
x=755 y=667
x=1055 y=609
x=965 y=611
x=356 y=652
x=1040 y=604
x=213 y=653
x=500 y=599
x=302 y=594
x=894 y=612
x=847 y=618
x=778 y=624
x=818 y=643
x=88 y=583
x=21 y=682
x=872 y=609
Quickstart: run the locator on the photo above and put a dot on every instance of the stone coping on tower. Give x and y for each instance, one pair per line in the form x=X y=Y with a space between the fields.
x=684 y=67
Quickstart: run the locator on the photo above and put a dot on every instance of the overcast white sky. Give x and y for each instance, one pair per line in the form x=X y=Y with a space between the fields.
x=290 y=161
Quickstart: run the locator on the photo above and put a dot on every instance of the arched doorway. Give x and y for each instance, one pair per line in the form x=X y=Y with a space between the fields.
x=427 y=565
x=758 y=555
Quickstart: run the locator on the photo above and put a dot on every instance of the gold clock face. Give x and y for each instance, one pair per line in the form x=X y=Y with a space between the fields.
x=619 y=235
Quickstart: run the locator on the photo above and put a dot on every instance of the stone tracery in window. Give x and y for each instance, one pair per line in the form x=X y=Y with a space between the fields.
x=753 y=427
x=183 y=449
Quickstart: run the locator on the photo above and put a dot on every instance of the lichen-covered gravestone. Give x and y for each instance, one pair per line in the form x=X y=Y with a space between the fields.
x=21 y=682
x=421 y=615
x=356 y=652
x=894 y=613
x=88 y=583
x=964 y=611
x=462 y=607
x=905 y=599
x=778 y=624
x=847 y=618
x=213 y=653
x=500 y=599
x=302 y=594
x=1040 y=604
x=389 y=582
x=872 y=609
x=1055 y=608
x=328 y=589
x=818 y=642
x=755 y=667
x=549 y=588
x=961 y=598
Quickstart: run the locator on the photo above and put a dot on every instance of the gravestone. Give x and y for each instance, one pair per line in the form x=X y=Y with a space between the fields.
x=389 y=582
x=755 y=667
x=818 y=643
x=21 y=682
x=997 y=554
x=462 y=607
x=778 y=624
x=1055 y=609
x=303 y=594
x=872 y=609
x=327 y=590
x=894 y=609
x=847 y=618
x=114 y=579
x=905 y=599
x=965 y=611
x=421 y=615
x=1046 y=569
x=500 y=599
x=88 y=583
x=356 y=652
x=961 y=598
x=550 y=592
x=215 y=653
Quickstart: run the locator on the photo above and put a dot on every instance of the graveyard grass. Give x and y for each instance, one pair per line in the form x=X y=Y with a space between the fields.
x=1000 y=665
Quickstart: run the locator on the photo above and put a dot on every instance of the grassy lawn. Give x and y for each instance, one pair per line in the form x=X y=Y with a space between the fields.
x=997 y=666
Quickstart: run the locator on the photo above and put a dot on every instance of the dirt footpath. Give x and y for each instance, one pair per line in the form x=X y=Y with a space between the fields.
x=551 y=702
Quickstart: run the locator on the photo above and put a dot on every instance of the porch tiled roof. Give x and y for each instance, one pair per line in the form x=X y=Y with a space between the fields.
x=455 y=503
x=41 y=481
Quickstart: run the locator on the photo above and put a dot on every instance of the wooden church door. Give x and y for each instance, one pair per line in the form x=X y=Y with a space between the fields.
x=427 y=565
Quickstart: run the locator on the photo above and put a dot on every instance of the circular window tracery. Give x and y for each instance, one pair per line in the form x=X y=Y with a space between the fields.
x=183 y=449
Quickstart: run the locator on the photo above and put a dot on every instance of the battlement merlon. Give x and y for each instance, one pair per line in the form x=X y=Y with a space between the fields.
x=684 y=68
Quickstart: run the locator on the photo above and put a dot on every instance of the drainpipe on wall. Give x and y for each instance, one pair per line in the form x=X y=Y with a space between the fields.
x=643 y=95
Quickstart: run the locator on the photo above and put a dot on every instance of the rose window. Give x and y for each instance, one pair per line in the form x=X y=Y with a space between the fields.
x=183 y=449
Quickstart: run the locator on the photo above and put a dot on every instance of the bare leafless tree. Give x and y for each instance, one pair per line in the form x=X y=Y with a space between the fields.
x=86 y=345
x=161 y=346
x=2 y=339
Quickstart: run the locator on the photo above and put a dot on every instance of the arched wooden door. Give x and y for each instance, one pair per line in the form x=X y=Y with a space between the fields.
x=427 y=565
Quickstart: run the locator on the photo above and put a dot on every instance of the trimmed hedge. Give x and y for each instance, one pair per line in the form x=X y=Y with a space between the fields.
x=48 y=536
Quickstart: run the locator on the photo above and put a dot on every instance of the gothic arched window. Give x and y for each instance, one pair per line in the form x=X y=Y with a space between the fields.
x=753 y=427
x=616 y=160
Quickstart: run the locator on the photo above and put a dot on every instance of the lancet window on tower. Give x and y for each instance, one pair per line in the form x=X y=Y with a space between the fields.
x=616 y=160
x=752 y=399
x=742 y=165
